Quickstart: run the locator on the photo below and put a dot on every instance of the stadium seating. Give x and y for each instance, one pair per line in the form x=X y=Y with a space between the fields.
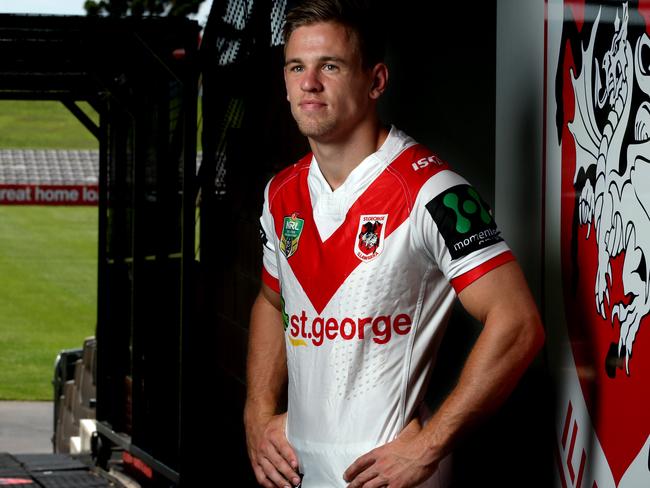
x=49 y=166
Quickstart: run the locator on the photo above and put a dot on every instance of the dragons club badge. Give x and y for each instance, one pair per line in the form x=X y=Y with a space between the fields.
x=602 y=125
x=370 y=236
x=291 y=230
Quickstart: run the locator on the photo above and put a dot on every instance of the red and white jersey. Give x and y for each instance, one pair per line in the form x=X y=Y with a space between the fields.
x=368 y=274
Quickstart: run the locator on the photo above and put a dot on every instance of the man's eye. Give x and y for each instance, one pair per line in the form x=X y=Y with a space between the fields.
x=330 y=67
x=296 y=69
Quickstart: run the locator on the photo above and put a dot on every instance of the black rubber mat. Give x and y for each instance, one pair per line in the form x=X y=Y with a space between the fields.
x=70 y=479
x=49 y=462
x=12 y=473
x=48 y=471
x=8 y=461
x=10 y=468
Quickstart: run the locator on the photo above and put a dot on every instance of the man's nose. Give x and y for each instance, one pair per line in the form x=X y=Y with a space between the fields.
x=310 y=81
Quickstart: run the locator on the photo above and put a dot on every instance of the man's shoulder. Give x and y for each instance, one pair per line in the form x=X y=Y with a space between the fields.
x=417 y=159
x=411 y=159
x=414 y=166
x=287 y=175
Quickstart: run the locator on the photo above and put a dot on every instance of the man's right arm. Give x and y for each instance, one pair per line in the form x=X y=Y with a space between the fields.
x=273 y=459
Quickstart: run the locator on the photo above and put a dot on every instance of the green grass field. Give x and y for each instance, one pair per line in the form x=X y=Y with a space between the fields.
x=43 y=124
x=48 y=264
x=49 y=125
x=48 y=260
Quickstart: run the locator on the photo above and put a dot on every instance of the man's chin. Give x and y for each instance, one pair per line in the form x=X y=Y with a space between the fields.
x=317 y=133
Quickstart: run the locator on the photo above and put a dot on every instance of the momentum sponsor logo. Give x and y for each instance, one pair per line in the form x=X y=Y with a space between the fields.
x=464 y=220
x=478 y=239
x=379 y=329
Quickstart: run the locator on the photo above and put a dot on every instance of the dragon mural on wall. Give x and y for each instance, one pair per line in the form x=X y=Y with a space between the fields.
x=613 y=201
x=598 y=156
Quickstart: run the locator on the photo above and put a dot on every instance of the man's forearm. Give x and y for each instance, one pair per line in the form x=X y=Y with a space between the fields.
x=499 y=358
x=272 y=457
x=266 y=371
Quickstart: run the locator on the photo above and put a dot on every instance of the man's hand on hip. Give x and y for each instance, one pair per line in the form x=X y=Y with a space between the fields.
x=273 y=459
x=404 y=462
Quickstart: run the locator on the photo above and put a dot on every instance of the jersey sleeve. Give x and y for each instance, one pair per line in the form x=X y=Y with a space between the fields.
x=270 y=276
x=455 y=228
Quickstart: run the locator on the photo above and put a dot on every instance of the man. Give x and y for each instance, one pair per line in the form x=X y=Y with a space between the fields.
x=367 y=241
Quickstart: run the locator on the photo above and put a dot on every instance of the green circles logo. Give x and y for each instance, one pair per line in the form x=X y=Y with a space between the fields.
x=469 y=206
x=464 y=220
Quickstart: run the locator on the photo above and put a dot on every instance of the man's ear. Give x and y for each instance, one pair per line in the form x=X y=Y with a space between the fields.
x=379 y=80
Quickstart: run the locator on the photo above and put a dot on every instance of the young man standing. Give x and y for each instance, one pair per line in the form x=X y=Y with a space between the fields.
x=367 y=242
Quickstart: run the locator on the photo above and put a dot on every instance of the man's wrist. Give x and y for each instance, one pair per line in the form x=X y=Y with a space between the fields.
x=257 y=414
x=433 y=455
x=433 y=451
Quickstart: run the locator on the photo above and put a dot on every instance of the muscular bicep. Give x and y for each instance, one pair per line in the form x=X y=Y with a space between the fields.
x=502 y=300
x=503 y=289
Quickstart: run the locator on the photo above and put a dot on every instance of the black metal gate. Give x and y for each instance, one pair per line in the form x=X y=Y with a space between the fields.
x=141 y=77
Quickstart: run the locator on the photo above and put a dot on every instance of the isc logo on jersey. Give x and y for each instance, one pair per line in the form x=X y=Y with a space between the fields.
x=370 y=236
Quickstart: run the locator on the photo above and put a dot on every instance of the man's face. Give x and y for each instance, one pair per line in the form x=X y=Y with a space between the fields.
x=329 y=91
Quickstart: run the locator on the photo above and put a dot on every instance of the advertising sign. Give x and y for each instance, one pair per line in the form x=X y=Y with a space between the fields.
x=49 y=194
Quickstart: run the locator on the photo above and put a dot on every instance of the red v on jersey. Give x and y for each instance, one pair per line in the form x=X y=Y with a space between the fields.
x=322 y=267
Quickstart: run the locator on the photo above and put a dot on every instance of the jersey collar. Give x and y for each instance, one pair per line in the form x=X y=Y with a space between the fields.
x=331 y=206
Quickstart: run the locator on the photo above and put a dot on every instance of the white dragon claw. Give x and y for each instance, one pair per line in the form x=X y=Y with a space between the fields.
x=618 y=235
x=609 y=271
x=598 y=210
x=629 y=328
x=617 y=312
x=586 y=206
x=601 y=288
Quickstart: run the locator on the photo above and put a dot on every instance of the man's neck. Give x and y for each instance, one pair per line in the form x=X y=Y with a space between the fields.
x=336 y=160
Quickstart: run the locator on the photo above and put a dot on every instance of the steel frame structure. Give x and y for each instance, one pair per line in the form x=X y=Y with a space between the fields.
x=141 y=77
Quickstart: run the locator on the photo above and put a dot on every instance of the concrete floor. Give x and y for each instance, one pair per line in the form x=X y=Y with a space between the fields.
x=26 y=427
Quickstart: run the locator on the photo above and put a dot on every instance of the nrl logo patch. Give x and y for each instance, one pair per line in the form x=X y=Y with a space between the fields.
x=291 y=230
x=370 y=236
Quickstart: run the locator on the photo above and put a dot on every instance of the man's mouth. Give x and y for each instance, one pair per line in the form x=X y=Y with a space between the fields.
x=312 y=105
